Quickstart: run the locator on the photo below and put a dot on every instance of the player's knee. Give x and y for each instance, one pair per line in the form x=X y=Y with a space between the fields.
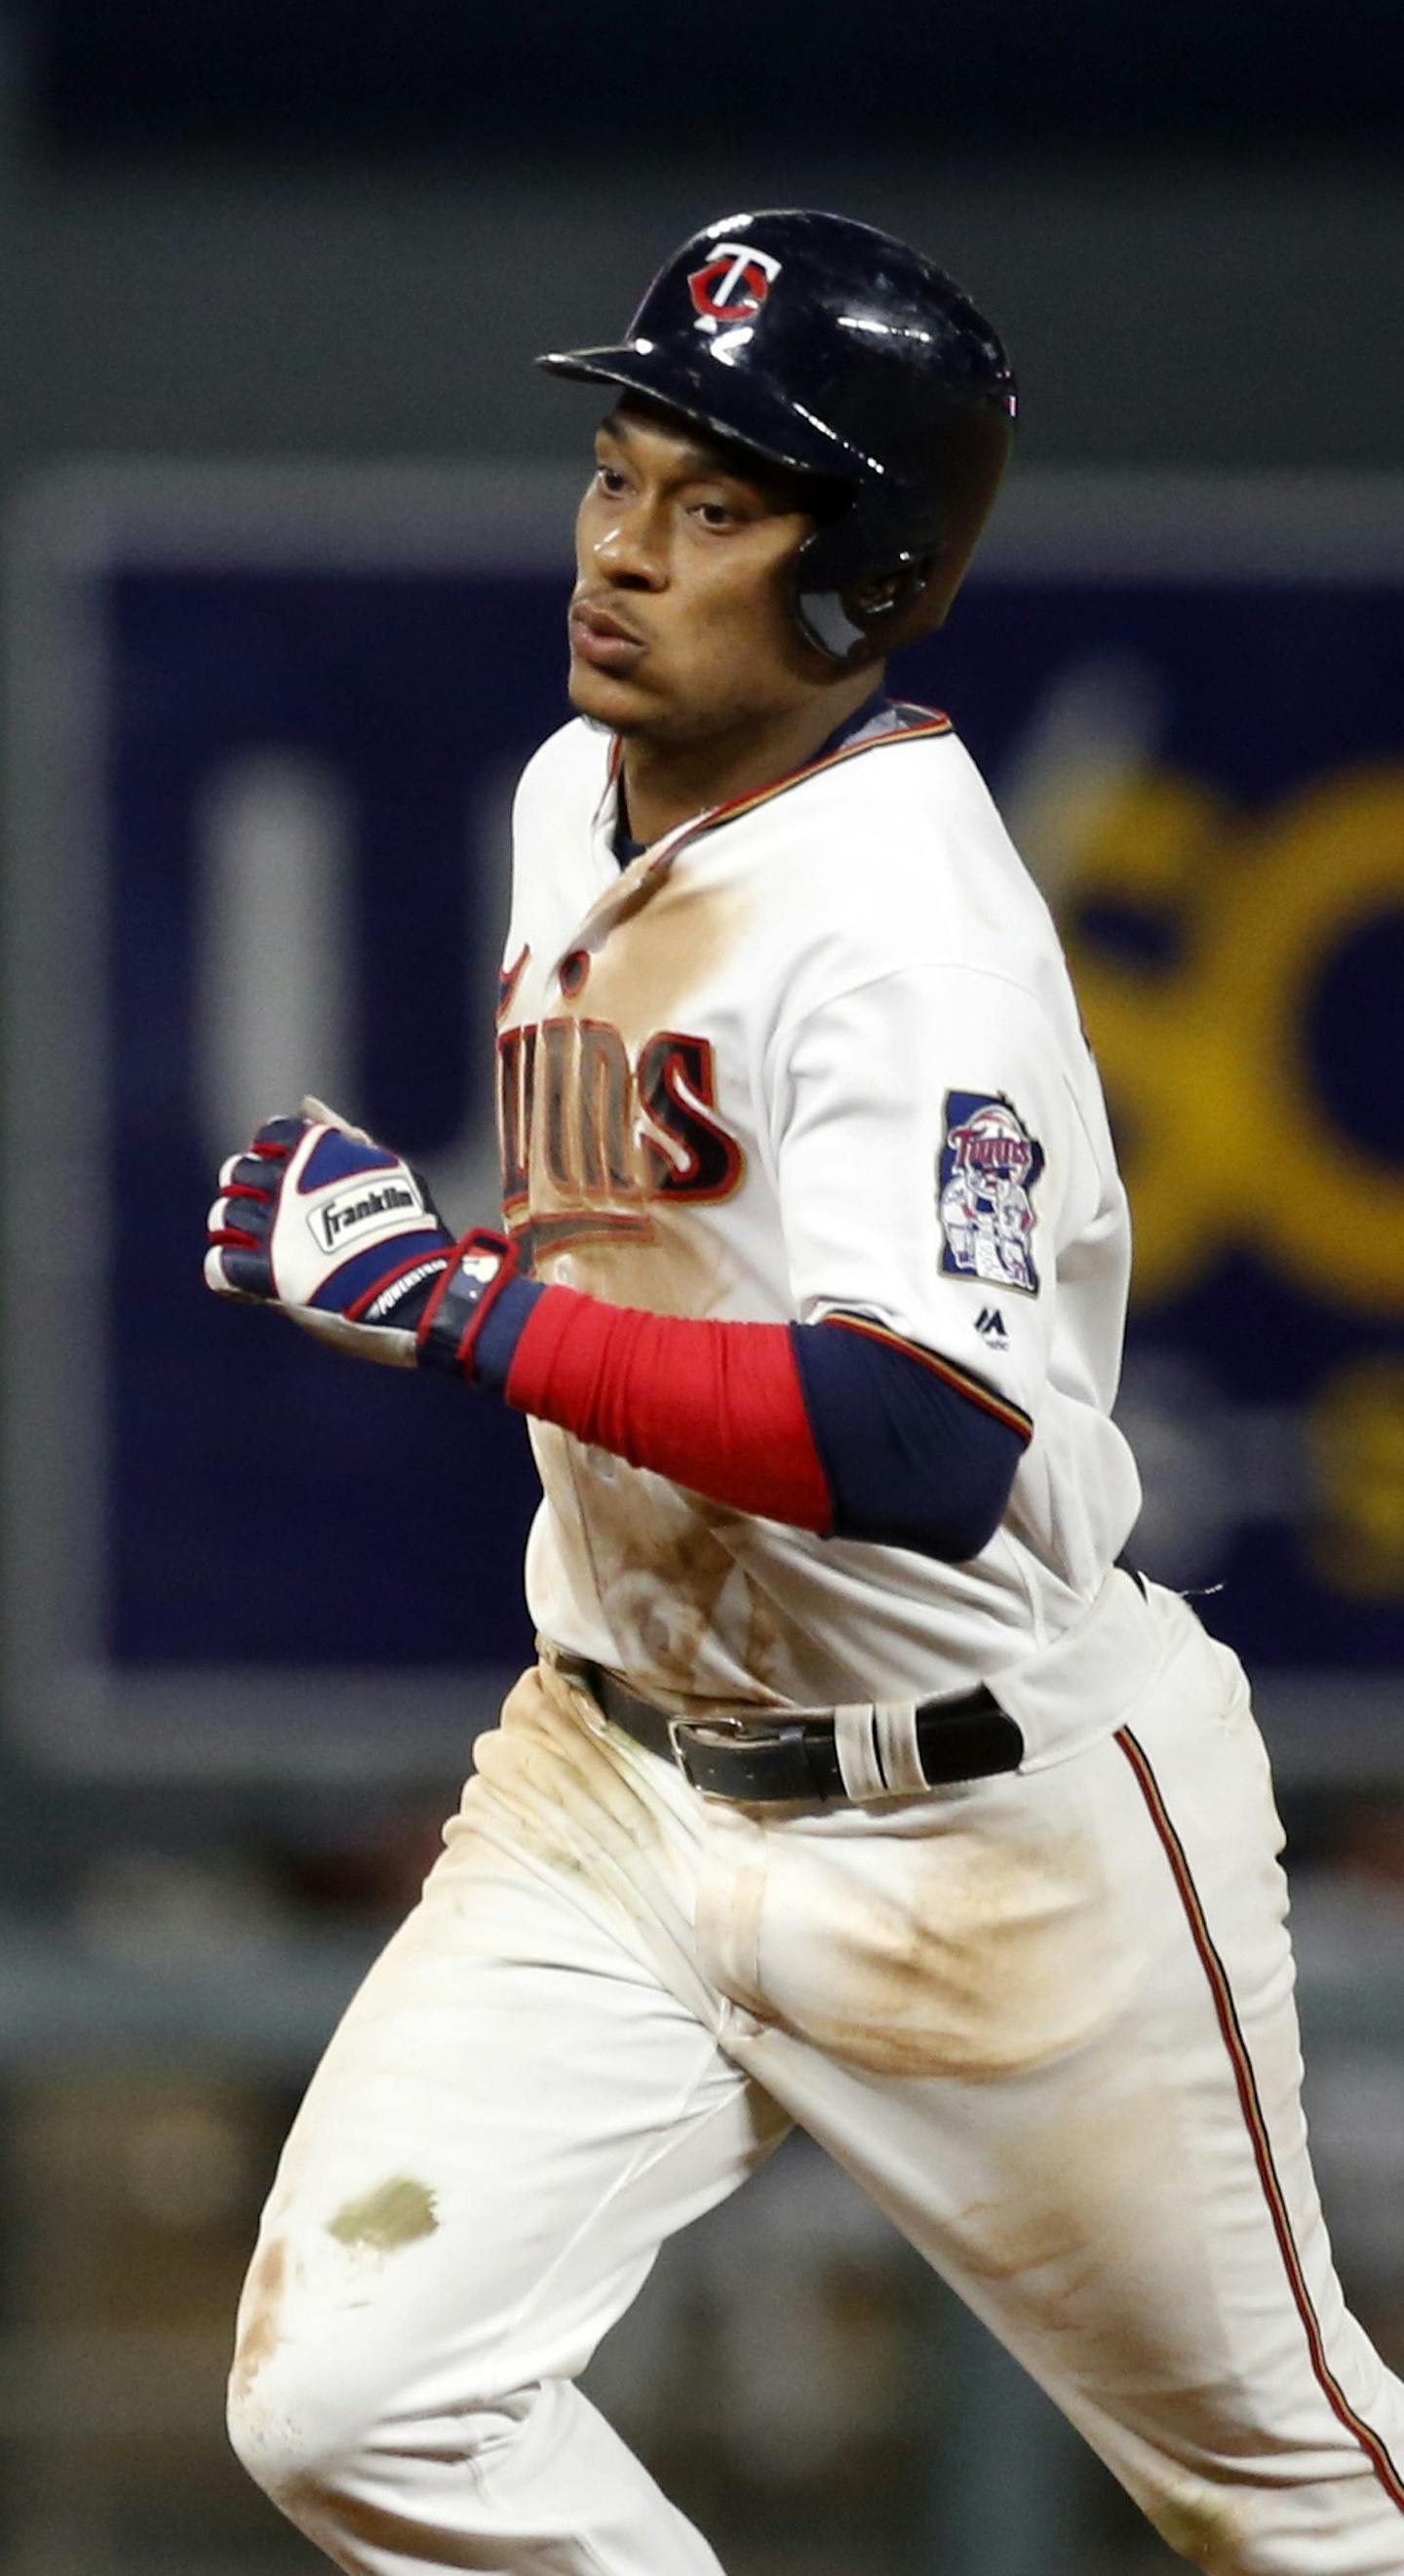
x=287 y=2446
x=317 y=2436
x=303 y=2419
x=348 y=2485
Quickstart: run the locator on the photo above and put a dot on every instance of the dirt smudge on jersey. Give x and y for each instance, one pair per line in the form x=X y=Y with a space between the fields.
x=676 y=937
x=260 y=2335
x=394 y=2214
x=679 y=1268
x=693 y=1627
x=661 y=1586
x=695 y=1630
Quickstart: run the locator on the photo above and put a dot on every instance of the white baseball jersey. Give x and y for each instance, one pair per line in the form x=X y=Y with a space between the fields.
x=815 y=1050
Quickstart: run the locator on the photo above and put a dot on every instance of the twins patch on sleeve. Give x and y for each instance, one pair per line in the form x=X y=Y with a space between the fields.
x=989 y=1167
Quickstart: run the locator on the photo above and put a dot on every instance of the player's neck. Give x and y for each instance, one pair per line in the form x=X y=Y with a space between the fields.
x=665 y=784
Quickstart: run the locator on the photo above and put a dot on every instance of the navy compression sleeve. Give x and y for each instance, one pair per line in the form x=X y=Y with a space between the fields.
x=916 y=1454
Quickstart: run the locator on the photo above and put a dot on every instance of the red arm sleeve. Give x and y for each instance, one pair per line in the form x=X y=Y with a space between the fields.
x=716 y=1407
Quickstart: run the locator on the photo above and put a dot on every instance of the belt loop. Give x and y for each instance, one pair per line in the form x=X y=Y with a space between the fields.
x=855 y=1743
x=899 y=1752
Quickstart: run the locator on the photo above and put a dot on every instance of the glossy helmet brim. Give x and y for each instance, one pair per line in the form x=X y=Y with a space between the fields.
x=739 y=409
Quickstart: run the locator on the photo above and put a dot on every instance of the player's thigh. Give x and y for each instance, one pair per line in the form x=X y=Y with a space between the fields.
x=512 y=2116
x=1134 y=2211
x=1150 y=2239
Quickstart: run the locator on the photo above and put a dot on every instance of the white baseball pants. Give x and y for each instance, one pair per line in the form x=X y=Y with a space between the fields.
x=1046 y=2021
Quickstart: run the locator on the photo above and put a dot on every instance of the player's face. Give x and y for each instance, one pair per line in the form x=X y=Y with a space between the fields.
x=681 y=622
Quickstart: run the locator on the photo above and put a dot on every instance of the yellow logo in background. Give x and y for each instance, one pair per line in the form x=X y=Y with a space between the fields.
x=1355 y=1434
x=1224 y=1135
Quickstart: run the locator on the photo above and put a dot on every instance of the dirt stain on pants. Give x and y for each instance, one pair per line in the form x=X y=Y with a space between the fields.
x=1199 y=2527
x=264 y=2298
x=396 y=2213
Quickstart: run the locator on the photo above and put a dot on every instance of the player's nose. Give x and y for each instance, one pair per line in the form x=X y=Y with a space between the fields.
x=628 y=547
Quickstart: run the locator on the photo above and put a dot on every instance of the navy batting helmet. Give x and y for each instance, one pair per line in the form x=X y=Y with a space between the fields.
x=831 y=348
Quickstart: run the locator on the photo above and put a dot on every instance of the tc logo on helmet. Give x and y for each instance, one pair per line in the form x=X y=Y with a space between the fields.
x=733 y=285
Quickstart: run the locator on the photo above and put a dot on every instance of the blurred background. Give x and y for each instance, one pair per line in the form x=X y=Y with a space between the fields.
x=284 y=571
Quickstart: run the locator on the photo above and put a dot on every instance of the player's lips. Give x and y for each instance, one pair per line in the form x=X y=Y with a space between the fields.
x=601 y=638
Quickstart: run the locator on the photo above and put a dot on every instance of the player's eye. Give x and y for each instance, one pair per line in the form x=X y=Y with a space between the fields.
x=717 y=514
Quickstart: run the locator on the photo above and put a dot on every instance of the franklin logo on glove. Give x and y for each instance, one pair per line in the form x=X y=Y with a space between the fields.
x=362 y=1215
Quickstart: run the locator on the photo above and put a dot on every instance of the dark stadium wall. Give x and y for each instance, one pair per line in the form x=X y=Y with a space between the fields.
x=1161 y=310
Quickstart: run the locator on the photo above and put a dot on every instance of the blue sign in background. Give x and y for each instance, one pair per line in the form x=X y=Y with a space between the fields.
x=269 y=1503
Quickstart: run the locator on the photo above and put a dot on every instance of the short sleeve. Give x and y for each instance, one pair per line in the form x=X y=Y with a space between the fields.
x=928 y=1155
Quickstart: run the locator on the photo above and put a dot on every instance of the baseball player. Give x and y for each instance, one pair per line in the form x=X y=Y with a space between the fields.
x=859 y=1782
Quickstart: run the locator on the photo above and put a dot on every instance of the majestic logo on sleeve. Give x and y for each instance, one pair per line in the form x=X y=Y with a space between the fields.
x=733 y=286
x=989 y=1166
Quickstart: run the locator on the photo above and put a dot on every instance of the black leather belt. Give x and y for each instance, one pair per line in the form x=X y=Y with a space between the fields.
x=797 y=1758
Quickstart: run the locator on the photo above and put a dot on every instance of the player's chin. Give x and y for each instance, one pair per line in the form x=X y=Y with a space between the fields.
x=614 y=698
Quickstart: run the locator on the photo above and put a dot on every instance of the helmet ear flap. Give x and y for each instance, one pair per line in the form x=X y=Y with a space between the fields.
x=825 y=622
x=878 y=601
x=862 y=614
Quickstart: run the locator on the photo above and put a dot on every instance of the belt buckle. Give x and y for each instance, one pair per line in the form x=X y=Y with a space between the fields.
x=682 y=1731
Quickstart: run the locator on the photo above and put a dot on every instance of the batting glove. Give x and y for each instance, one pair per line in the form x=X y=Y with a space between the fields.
x=318 y=1219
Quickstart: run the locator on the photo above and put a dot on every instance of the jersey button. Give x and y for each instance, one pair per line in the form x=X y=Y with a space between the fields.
x=574 y=970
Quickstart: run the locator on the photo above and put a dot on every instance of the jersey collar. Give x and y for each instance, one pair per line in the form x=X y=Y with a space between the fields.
x=878 y=717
